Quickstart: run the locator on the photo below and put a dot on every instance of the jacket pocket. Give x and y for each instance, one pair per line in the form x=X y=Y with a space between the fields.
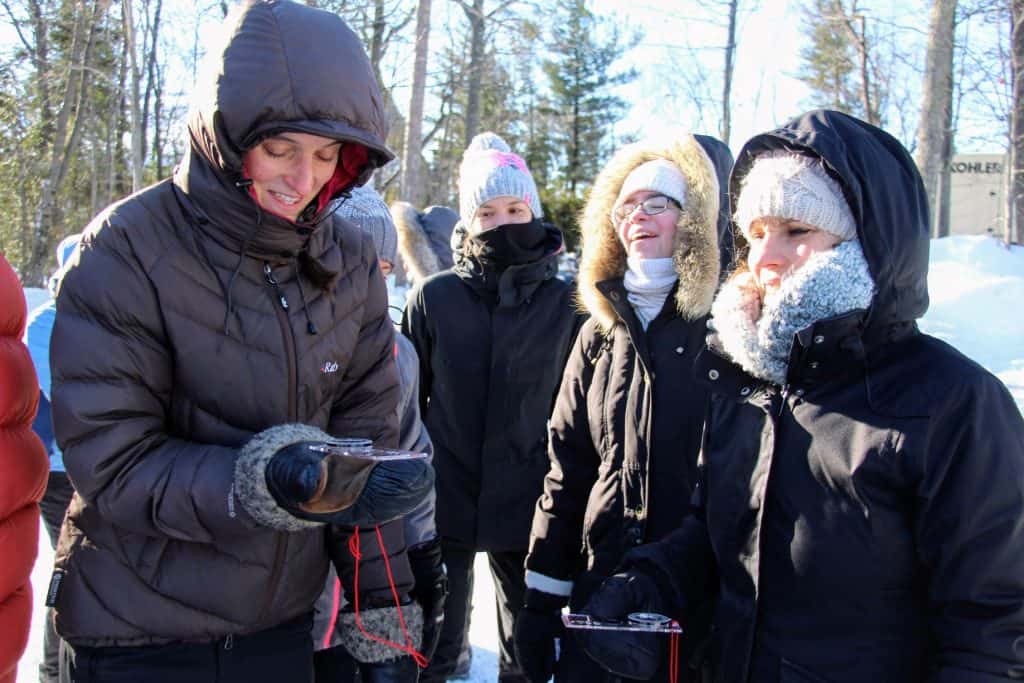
x=794 y=673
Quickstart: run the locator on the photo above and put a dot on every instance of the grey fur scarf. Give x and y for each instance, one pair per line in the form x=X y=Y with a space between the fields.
x=759 y=337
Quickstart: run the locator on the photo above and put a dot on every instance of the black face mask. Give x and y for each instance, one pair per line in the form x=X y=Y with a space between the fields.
x=511 y=244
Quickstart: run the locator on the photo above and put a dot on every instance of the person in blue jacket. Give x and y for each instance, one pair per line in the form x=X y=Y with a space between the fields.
x=58 y=488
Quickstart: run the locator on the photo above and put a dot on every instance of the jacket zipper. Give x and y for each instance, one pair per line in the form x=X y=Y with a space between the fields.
x=289 y=342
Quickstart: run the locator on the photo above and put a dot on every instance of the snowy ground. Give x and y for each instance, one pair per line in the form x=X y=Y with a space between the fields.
x=975 y=284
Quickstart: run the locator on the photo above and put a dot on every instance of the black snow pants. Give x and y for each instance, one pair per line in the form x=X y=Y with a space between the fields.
x=281 y=653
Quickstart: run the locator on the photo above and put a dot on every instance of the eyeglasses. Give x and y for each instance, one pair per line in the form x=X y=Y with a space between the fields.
x=651 y=206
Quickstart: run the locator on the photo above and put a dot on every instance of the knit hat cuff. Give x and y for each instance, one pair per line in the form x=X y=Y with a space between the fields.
x=658 y=175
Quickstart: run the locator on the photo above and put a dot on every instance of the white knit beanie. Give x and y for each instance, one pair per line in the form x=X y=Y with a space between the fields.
x=490 y=169
x=658 y=175
x=794 y=187
x=367 y=210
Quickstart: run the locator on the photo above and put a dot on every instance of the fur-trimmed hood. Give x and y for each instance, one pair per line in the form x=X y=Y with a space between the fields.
x=696 y=252
x=424 y=238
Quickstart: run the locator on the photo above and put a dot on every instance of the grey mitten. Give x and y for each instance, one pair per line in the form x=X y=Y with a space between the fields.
x=286 y=485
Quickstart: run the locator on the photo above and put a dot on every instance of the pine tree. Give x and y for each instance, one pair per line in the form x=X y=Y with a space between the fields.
x=584 y=49
x=828 y=59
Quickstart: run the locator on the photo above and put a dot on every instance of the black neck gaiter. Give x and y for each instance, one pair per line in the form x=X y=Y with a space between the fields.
x=512 y=244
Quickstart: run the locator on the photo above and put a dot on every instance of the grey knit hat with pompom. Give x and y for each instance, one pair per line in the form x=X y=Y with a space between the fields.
x=491 y=169
x=367 y=209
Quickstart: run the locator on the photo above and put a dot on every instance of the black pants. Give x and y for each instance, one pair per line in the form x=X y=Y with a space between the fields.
x=336 y=665
x=53 y=506
x=277 y=655
x=509 y=586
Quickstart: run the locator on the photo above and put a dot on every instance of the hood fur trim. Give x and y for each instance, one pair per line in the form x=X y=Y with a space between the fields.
x=696 y=241
x=413 y=243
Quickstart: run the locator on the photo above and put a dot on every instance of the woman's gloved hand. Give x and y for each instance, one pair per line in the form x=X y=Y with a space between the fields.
x=628 y=654
x=284 y=484
x=538 y=626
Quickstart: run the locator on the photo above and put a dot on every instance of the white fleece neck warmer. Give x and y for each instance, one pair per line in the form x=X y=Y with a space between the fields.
x=830 y=283
x=648 y=282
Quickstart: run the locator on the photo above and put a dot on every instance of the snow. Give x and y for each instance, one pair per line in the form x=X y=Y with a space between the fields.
x=974 y=282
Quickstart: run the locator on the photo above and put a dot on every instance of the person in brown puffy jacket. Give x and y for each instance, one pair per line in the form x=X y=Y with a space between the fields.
x=213 y=329
x=23 y=470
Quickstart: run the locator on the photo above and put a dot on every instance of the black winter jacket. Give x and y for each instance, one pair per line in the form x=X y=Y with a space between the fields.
x=863 y=522
x=625 y=430
x=490 y=363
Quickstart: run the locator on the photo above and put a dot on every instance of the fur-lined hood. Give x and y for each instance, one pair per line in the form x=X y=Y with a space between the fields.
x=696 y=252
x=424 y=238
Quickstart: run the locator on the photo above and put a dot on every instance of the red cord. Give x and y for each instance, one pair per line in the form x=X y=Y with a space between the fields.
x=673 y=656
x=335 y=605
x=353 y=548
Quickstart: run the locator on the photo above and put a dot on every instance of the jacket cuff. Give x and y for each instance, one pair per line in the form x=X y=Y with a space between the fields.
x=548 y=584
x=383 y=623
x=250 y=485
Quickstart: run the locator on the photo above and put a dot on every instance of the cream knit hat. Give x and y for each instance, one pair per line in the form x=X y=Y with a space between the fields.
x=795 y=187
x=658 y=175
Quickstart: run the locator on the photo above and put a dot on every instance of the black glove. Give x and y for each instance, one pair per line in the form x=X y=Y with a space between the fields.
x=344 y=490
x=293 y=474
x=538 y=626
x=624 y=653
x=430 y=590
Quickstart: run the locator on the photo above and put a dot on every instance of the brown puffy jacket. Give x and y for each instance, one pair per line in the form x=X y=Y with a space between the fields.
x=192 y=320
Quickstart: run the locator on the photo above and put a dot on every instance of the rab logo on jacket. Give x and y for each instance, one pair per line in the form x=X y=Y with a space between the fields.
x=329 y=367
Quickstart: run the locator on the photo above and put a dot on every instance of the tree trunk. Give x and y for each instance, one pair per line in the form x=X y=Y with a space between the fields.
x=377 y=39
x=1015 y=195
x=153 y=89
x=475 y=14
x=66 y=133
x=934 y=134
x=730 y=61
x=135 y=95
x=412 y=180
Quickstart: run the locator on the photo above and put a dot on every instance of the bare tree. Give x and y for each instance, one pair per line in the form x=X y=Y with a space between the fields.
x=1015 y=196
x=859 y=39
x=934 y=142
x=727 y=71
x=475 y=16
x=66 y=132
x=134 y=96
x=478 y=25
x=412 y=181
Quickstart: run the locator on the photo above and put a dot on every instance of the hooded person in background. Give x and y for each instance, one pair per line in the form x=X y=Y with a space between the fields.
x=213 y=331
x=626 y=427
x=55 y=502
x=411 y=543
x=22 y=474
x=424 y=238
x=862 y=484
x=492 y=335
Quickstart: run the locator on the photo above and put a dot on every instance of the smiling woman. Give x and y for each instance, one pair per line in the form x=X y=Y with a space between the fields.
x=288 y=170
x=234 y=277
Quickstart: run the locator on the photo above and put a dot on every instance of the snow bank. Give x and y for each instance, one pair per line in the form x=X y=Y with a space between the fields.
x=975 y=284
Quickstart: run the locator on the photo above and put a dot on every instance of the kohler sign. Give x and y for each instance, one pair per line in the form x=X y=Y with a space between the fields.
x=986 y=167
x=978 y=188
